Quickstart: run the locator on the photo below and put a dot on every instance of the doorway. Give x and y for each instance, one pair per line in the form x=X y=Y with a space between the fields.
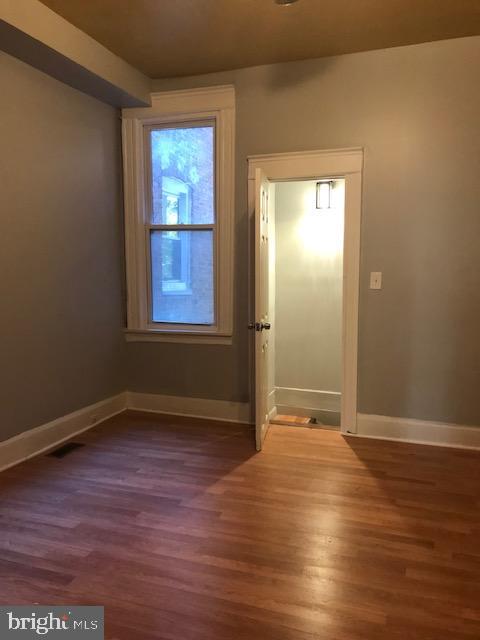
x=305 y=298
x=305 y=214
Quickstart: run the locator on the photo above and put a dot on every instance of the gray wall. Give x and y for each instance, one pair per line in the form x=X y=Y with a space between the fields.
x=308 y=288
x=60 y=250
x=415 y=110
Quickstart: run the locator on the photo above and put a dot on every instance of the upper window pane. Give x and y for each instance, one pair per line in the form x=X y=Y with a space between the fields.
x=183 y=164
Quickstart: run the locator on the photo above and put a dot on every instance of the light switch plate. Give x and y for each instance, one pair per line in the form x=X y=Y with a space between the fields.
x=376 y=280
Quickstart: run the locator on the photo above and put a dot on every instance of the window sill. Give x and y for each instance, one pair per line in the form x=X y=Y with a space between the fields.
x=137 y=335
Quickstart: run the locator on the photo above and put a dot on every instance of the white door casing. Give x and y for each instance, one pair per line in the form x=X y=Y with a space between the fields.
x=345 y=163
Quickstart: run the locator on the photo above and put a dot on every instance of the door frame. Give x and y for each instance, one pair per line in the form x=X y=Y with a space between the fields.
x=311 y=165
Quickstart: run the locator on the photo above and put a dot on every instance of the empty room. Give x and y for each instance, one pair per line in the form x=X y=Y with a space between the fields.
x=240 y=312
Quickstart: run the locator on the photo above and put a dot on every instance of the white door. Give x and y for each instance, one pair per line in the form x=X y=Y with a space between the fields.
x=261 y=324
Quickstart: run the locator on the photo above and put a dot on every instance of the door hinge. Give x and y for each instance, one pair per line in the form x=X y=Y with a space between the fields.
x=260 y=326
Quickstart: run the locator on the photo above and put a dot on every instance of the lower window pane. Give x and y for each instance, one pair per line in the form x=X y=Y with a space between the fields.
x=182 y=276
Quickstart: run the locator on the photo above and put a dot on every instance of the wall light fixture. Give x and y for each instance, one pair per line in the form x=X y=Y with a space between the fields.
x=324 y=194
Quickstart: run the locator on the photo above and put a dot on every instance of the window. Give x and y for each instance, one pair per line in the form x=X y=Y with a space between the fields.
x=179 y=210
x=182 y=223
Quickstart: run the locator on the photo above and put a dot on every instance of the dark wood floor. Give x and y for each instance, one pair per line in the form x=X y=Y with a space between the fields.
x=183 y=532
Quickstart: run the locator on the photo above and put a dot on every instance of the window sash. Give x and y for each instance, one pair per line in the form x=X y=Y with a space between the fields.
x=149 y=226
x=193 y=123
x=181 y=326
x=181 y=227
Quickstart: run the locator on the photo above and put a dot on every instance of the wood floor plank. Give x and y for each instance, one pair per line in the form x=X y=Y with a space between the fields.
x=181 y=530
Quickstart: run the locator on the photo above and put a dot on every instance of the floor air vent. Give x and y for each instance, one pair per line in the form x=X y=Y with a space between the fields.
x=65 y=449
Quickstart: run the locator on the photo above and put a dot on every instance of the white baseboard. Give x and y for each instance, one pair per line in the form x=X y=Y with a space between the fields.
x=308 y=399
x=272 y=399
x=40 y=439
x=35 y=441
x=192 y=407
x=440 y=434
x=272 y=413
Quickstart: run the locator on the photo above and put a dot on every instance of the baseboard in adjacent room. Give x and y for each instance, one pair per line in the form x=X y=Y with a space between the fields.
x=193 y=407
x=440 y=434
x=308 y=399
x=323 y=406
x=39 y=439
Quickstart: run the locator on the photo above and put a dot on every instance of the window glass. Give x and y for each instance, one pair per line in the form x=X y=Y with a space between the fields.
x=183 y=185
x=182 y=276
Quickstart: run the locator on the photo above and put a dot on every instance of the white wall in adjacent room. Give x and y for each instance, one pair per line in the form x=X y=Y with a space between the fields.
x=309 y=267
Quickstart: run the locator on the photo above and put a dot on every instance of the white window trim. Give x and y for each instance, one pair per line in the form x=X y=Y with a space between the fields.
x=169 y=107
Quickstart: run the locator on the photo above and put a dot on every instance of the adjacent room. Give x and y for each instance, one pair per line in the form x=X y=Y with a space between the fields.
x=305 y=298
x=240 y=309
